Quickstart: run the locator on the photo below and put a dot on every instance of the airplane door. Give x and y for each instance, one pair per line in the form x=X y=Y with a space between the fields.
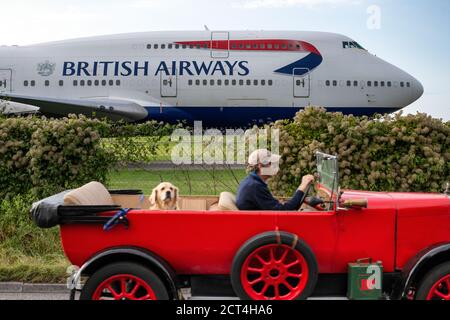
x=5 y=80
x=220 y=45
x=169 y=84
x=302 y=81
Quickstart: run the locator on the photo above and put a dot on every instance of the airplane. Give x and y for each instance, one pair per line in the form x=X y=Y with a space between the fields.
x=223 y=78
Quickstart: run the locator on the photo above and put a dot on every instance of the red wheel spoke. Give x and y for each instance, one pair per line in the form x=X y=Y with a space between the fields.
x=113 y=292
x=284 y=255
x=135 y=289
x=123 y=285
x=288 y=285
x=277 y=291
x=293 y=275
x=264 y=262
x=146 y=297
x=253 y=282
x=272 y=254
x=447 y=281
x=264 y=289
x=257 y=270
x=290 y=265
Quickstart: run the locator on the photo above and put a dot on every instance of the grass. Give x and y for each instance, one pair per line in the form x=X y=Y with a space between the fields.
x=192 y=182
x=15 y=266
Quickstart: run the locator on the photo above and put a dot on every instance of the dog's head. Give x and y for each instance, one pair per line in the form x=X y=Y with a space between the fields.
x=164 y=196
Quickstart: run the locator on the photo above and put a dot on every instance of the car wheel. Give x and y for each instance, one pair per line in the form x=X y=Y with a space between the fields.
x=274 y=266
x=436 y=284
x=124 y=281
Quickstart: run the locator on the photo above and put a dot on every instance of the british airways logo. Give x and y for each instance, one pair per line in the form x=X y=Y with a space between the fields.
x=145 y=68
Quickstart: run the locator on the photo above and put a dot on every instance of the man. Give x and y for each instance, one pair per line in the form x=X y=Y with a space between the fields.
x=253 y=193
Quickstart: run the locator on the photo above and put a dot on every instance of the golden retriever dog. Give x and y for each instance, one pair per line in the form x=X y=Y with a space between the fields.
x=164 y=197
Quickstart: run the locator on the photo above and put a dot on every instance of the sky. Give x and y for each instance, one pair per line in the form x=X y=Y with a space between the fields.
x=411 y=34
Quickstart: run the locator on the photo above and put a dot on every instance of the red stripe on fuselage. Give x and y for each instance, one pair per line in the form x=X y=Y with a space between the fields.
x=253 y=45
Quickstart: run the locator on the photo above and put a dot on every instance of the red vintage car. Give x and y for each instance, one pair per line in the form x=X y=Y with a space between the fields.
x=214 y=249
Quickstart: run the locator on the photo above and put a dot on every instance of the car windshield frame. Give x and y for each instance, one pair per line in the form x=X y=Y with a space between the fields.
x=328 y=175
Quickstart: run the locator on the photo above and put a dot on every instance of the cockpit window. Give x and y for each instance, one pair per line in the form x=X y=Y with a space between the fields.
x=352 y=45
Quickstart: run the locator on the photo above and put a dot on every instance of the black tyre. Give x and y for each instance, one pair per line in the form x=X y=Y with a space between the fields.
x=436 y=284
x=274 y=266
x=124 y=281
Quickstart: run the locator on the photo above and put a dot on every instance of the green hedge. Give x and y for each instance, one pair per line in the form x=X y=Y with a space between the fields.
x=386 y=153
x=47 y=155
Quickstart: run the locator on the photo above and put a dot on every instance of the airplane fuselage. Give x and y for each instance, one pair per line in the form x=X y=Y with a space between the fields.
x=222 y=78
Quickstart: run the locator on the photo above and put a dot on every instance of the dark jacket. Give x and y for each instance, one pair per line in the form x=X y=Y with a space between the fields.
x=253 y=194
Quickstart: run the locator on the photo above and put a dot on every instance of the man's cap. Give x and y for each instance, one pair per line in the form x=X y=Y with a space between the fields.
x=263 y=156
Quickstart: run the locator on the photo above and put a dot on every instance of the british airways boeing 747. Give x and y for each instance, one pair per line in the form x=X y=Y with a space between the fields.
x=221 y=78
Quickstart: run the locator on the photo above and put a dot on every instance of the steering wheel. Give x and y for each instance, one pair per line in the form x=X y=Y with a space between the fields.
x=308 y=189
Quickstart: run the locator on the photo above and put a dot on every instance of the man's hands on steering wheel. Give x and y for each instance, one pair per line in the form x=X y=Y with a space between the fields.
x=306 y=185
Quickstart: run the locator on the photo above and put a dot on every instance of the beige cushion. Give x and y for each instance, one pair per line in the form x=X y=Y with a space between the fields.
x=227 y=202
x=91 y=194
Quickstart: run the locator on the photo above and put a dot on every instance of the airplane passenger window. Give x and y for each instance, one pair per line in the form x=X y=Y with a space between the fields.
x=255 y=46
x=89 y=83
x=197 y=82
x=334 y=83
x=149 y=46
x=227 y=82
x=408 y=84
x=298 y=82
x=262 y=46
x=117 y=82
x=355 y=83
x=61 y=83
x=96 y=83
x=103 y=82
x=211 y=82
x=198 y=45
x=25 y=83
x=369 y=83
x=328 y=83
x=402 y=84
x=184 y=46
x=255 y=82
x=241 y=82
x=263 y=82
x=382 y=83
x=191 y=46
x=349 y=83
x=190 y=82
x=205 y=82
x=163 y=46
x=284 y=46
x=248 y=46
x=169 y=46
x=389 y=84
x=298 y=46
x=249 y=82
x=233 y=82
x=75 y=83
x=234 y=46
x=270 y=82
x=375 y=83
x=177 y=46
x=155 y=46
x=165 y=83
x=82 y=83
x=33 y=83
x=269 y=46
x=241 y=46
x=47 y=83
x=290 y=46
x=277 y=46
x=219 y=82
x=111 y=82
x=205 y=46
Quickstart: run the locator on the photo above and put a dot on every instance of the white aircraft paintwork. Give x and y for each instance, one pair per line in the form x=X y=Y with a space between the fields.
x=222 y=78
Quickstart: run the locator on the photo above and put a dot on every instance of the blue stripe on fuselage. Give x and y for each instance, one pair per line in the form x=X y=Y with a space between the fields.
x=221 y=117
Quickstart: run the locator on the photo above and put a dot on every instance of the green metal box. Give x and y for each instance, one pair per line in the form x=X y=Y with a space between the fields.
x=365 y=280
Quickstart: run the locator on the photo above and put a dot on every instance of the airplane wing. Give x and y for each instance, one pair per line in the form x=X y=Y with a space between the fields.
x=112 y=108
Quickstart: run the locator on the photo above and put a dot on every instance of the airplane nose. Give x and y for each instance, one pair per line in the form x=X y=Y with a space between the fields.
x=417 y=89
